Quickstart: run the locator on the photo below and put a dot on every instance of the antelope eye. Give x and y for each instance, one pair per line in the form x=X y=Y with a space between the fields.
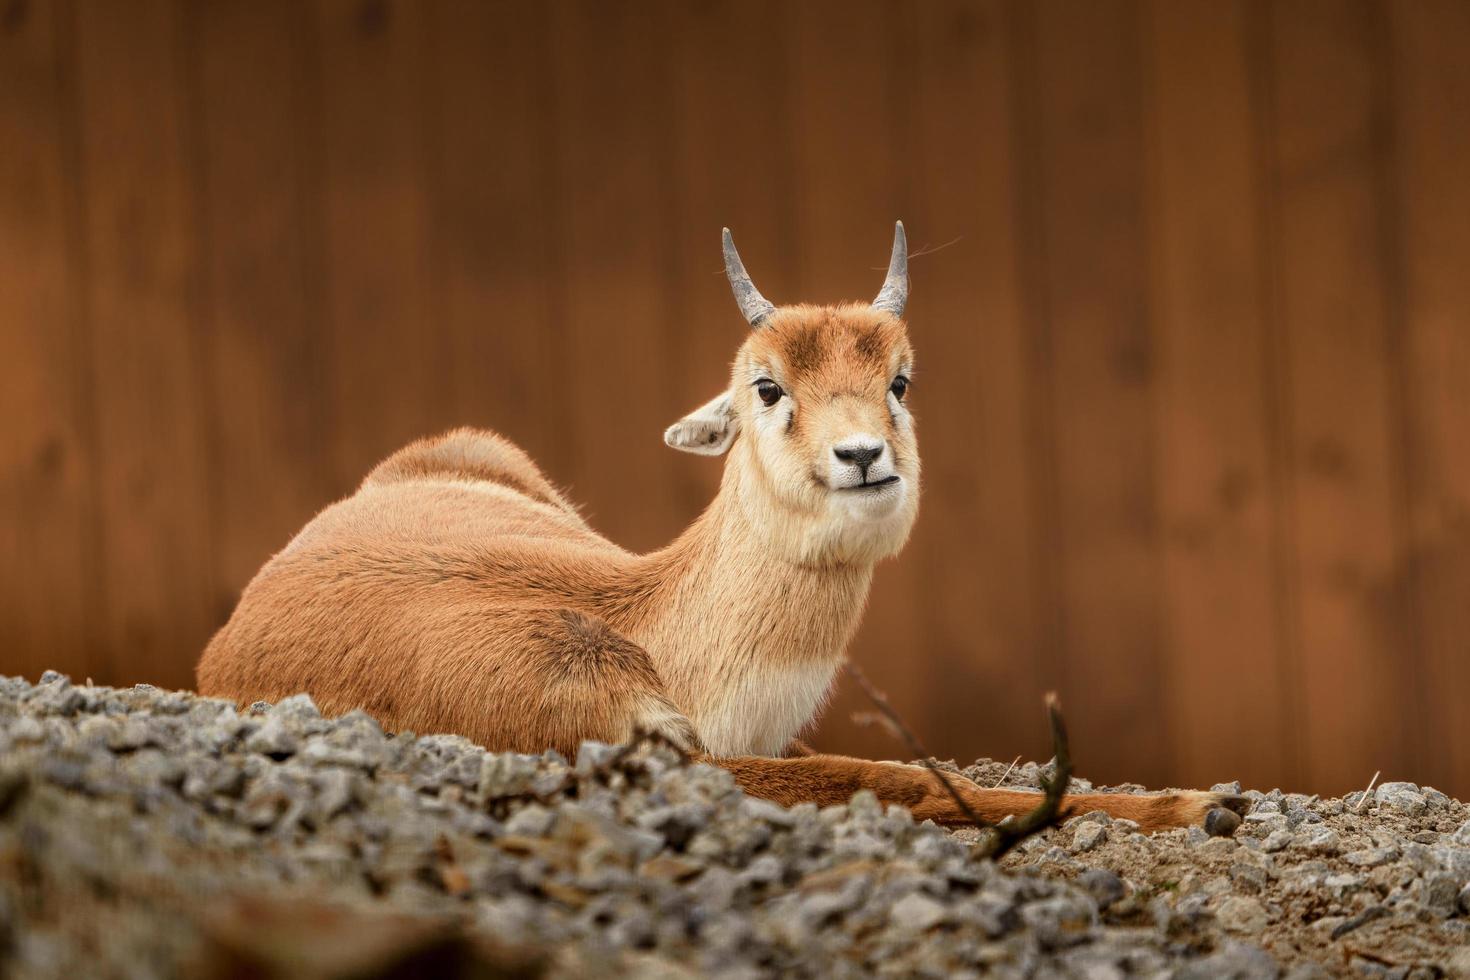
x=900 y=387
x=769 y=391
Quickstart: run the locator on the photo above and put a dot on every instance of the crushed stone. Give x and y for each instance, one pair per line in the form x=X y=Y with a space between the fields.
x=155 y=833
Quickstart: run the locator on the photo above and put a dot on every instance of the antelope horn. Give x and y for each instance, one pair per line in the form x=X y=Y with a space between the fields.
x=753 y=306
x=894 y=295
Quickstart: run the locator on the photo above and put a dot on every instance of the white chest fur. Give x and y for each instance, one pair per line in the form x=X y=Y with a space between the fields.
x=761 y=712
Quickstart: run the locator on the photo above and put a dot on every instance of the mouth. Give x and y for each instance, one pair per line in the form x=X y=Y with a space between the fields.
x=875 y=487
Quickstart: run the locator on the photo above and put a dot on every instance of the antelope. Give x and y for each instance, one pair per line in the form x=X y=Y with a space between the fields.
x=458 y=591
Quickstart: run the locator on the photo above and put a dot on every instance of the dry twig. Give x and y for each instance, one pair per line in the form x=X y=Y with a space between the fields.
x=1003 y=775
x=1367 y=792
x=896 y=727
x=1009 y=833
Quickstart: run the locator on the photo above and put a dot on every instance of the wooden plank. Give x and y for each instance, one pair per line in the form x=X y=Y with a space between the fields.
x=1357 y=655
x=49 y=592
x=730 y=169
x=263 y=307
x=975 y=551
x=384 y=347
x=848 y=184
x=613 y=106
x=1229 y=683
x=1431 y=81
x=494 y=216
x=1094 y=274
x=149 y=374
x=847 y=63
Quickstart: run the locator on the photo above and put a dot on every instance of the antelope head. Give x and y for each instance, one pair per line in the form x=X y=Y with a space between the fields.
x=823 y=457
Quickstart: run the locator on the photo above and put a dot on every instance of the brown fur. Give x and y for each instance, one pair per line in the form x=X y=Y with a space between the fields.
x=829 y=779
x=458 y=591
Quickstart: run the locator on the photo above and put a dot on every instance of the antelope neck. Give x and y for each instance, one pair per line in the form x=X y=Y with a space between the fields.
x=762 y=617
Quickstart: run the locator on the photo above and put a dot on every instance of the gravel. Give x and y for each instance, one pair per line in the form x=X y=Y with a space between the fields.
x=152 y=833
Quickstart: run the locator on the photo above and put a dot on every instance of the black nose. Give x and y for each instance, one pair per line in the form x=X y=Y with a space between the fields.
x=863 y=456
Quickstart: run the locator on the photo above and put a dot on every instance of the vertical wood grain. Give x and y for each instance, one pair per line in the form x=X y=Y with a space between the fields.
x=613 y=107
x=1092 y=190
x=495 y=216
x=49 y=589
x=1357 y=655
x=1228 y=671
x=149 y=375
x=973 y=553
x=262 y=317
x=1431 y=83
x=381 y=335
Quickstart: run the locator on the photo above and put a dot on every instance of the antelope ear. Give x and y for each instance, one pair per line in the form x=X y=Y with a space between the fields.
x=708 y=430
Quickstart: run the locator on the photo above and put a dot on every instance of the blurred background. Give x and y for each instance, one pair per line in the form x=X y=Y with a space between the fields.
x=1194 y=362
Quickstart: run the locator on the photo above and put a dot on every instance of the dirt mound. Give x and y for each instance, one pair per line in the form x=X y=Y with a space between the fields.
x=158 y=834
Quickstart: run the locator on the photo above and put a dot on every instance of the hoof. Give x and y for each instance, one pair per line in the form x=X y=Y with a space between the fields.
x=1210 y=810
x=1239 y=805
x=1221 y=822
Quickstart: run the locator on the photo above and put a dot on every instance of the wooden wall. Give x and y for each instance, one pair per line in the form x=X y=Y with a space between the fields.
x=1194 y=380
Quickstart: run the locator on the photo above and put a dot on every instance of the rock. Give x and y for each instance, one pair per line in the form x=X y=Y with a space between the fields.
x=1242 y=914
x=1233 y=961
x=1088 y=836
x=1216 y=848
x=764 y=870
x=1322 y=841
x=1277 y=840
x=1371 y=858
x=591 y=754
x=1440 y=894
x=1268 y=822
x=505 y=774
x=1103 y=885
x=916 y=913
x=1420 y=858
x=27 y=730
x=335 y=792
x=56 y=696
x=1341 y=885
x=272 y=739
x=1388 y=789
x=532 y=820
x=1059 y=921
x=298 y=708
x=758 y=809
x=1403 y=797
x=1249 y=878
